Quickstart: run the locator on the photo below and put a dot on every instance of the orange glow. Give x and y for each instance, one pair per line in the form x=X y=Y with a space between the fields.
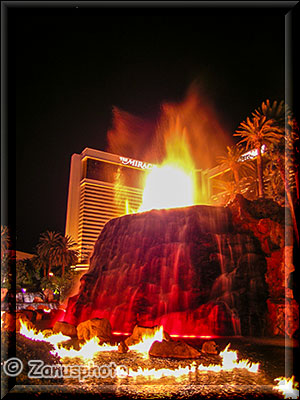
x=287 y=387
x=47 y=310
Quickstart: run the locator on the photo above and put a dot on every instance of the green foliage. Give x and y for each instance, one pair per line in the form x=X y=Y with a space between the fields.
x=55 y=250
x=27 y=275
x=61 y=284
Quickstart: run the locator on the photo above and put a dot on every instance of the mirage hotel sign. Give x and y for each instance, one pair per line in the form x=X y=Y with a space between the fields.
x=135 y=163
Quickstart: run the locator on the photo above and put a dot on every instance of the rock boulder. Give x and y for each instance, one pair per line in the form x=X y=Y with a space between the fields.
x=139 y=332
x=64 y=328
x=209 y=347
x=174 y=349
x=96 y=327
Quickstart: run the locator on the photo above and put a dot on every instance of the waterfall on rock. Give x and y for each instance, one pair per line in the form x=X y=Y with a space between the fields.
x=189 y=269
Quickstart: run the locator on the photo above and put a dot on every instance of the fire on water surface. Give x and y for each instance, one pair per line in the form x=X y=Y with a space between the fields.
x=144 y=371
x=229 y=358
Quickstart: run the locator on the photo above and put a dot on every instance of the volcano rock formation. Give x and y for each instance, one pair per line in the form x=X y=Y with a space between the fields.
x=189 y=269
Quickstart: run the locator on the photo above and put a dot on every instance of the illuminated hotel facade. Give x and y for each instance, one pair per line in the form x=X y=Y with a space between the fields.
x=103 y=186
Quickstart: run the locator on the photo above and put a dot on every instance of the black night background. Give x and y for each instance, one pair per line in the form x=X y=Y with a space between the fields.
x=68 y=66
x=144 y=80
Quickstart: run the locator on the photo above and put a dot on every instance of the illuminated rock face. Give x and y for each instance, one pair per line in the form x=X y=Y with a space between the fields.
x=188 y=269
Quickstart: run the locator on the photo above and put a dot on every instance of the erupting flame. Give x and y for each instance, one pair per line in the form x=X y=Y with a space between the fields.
x=287 y=387
x=168 y=186
x=173 y=183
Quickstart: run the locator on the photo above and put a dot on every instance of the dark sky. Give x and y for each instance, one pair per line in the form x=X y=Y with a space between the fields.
x=69 y=67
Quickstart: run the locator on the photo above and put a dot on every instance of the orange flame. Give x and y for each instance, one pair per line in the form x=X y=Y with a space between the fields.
x=147 y=340
x=288 y=387
x=161 y=372
x=187 y=137
x=89 y=349
x=34 y=334
x=173 y=183
x=229 y=362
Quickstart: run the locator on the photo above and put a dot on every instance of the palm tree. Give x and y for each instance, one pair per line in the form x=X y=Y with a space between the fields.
x=46 y=249
x=66 y=253
x=278 y=111
x=233 y=161
x=257 y=132
x=39 y=264
x=227 y=189
x=282 y=152
x=282 y=156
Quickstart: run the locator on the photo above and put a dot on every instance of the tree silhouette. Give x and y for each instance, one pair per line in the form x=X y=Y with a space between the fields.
x=255 y=133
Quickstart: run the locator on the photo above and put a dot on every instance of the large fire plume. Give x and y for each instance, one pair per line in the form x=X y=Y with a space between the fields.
x=171 y=184
x=188 y=136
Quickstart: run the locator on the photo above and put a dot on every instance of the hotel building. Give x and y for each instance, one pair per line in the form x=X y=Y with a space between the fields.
x=102 y=186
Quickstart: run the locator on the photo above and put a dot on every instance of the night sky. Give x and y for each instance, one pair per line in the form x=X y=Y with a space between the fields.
x=67 y=68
